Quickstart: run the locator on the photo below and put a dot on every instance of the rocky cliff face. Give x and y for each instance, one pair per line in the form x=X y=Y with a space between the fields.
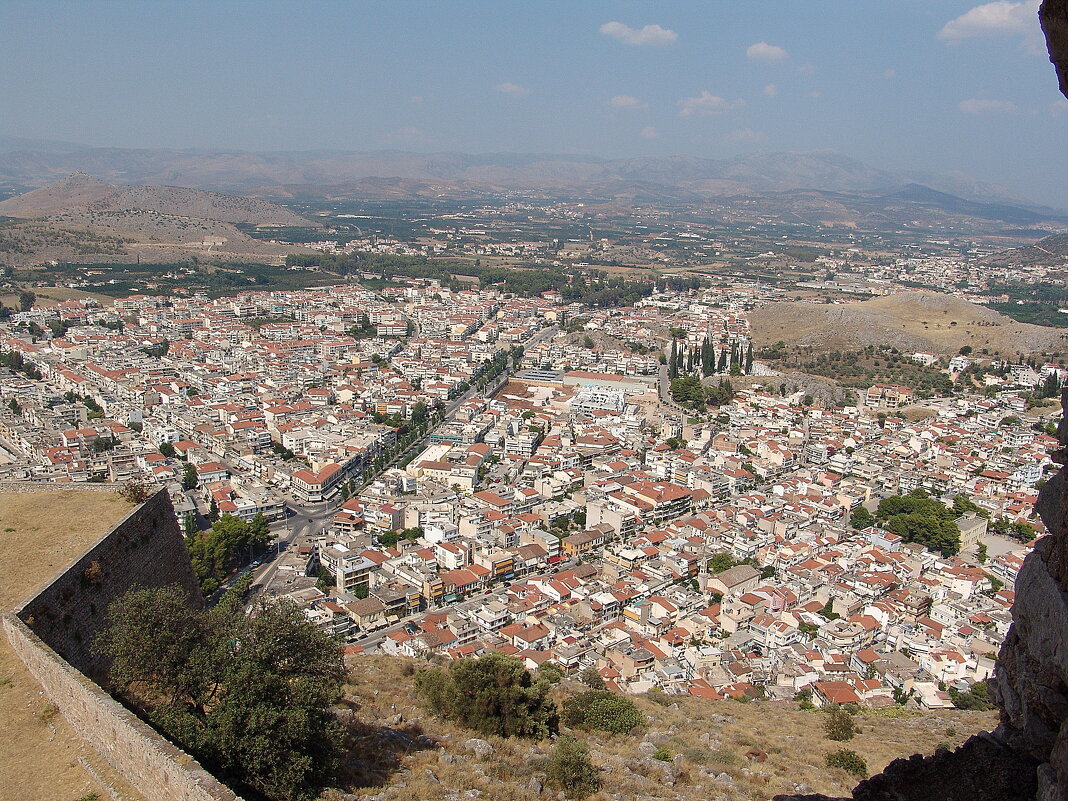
x=1053 y=15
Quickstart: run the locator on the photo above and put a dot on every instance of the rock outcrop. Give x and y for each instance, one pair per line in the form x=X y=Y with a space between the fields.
x=1053 y=15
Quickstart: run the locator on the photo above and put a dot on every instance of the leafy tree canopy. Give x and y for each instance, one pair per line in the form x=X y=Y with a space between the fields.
x=248 y=696
x=493 y=694
x=918 y=518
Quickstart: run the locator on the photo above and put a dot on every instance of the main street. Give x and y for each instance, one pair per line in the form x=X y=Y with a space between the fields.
x=303 y=523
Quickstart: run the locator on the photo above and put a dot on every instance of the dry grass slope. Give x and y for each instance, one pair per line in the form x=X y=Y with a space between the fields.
x=909 y=321
x=80 y=193
x=41 y=757
x=708 y=742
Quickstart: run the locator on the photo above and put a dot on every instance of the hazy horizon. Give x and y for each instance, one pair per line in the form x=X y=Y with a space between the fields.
x=955 y=88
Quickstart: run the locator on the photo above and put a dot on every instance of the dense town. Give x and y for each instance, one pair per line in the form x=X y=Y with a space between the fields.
x=455 y=472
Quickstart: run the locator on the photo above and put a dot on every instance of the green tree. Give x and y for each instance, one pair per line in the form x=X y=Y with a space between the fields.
x=248 y=696
x=215 y=551
x=549 y=672
x=861 y=518
x=167 y=449
x=189 y=477
x=721 y=561
x=569 y=768
x=977 y=697
x=963 y=505
x=591 y=678
x=918 y=518
x=493 y=694
x=259 y=531
x=27 y=298
x=604 y=710
x=688 y=391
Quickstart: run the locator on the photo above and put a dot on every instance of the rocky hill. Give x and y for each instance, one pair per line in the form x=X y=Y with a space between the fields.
x=724 y=750
x=80 y=193
x=910 y=321
x=1051 y=251
x=84 y=219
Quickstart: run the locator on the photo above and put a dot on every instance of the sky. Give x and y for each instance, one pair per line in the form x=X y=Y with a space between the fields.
x=900 y=84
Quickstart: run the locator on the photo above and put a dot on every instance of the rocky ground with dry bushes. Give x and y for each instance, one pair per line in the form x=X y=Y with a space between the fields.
x=687 y=749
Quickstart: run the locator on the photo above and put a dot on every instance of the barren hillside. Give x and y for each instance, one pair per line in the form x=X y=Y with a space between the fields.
x=80 y=193
x=711 y=749
x=910 y=321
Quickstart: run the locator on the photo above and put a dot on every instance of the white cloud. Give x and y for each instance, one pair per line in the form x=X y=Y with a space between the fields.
x=766 y=53
x=889 y=74
x=512 y=89
x=1000 y=18
x=627 y=103
x=649 y=132
x=977 y=105
x=706 y=104
x=771 y=90
x=989 y=19
x=649 y=35
x=1058 y=107
x=417 y=98
x=747 y=136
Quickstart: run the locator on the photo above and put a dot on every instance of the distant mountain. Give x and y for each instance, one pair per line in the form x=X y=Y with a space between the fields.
x=823 y=187
x=1051 y=251
x=80 y=193
x=919 y=195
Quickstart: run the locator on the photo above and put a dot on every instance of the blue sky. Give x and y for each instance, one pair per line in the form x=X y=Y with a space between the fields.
x=953 y=86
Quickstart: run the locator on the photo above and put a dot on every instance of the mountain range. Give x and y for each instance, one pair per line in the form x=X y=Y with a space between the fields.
x=820 y=188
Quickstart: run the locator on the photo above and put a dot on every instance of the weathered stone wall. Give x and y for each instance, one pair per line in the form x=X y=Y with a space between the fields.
x=145 y=549
x=53 y=632
x=159 y=770
x=28 y=487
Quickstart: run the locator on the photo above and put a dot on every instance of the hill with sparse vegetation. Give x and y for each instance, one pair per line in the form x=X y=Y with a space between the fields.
x=79 y=193
x=684 y=748
x=909 y=321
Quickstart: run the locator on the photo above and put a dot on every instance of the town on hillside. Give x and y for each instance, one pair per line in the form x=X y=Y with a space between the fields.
x=433 y=470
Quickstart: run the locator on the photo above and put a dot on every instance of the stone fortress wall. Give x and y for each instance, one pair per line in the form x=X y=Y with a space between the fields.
x=53 y=631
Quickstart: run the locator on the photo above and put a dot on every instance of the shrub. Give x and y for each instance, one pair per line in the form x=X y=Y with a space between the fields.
x=849 y=761
x=135 y=491
x=493 y=694
x=839 y=725
x=662 y=754
x=569 y=768
x=804 y=698
x=604 y=710
x=658 y=696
